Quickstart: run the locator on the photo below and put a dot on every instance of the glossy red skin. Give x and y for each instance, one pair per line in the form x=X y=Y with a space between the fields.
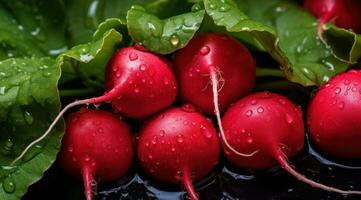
x=193 y=67
x=279 y=124
x=98 y=138
x=334 y=116
x=148 y=83
x=344 y=13
x=165 y=157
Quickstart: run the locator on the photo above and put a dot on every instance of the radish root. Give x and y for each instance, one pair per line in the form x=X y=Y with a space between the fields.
x=187 y=182
x=282 y=159
x=88 y=180
x=107 y=96
x=215 y=88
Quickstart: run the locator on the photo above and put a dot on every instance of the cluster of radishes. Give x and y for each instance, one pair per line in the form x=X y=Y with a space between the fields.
x=180 y=145
x=212 y=76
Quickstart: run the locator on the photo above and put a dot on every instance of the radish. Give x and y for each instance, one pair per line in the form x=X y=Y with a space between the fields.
x=138 y=83
x=213 y=71
x=178 y=146
x=96 y=144
x=271 y=125
x=333 y=118
x=344 y=13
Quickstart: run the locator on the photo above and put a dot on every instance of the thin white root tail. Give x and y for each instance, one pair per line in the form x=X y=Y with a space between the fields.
x=282 y=159
x=50 y=128
x=215 y=83
x=107 y=96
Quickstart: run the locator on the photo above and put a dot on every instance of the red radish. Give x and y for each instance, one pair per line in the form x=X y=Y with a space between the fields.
x=213 y=71
x=334 y=116
x=218 y=54
x=178 y=146
x=138 y=83
x=271 y=125
x=96 y=144
x=344 y=13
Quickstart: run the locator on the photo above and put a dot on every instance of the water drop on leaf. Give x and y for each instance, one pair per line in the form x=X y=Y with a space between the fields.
x=8 y=185
x=174 y=40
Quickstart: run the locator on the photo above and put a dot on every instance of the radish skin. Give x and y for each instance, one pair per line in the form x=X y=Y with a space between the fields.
x=138 y=84
x=96 y=144
x=333 y=117
x=213 y=71
x=273 y=125
x=344 y=13
x=178 y=146
x=193 y=65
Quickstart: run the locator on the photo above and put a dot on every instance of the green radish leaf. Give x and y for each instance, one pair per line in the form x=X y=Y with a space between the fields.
x=345 y=44
x=88 y=61
x=86 y=15
x=31 y=29
x=162 y=36
x=29 y=100
x=301 y=54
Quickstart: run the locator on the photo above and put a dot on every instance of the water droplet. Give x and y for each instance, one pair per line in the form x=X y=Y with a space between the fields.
x=174 y=40
x=86 y=57
x=180 y=138
x=347 y=82
x=147 y=144
x=317 y=137
x=341 y=105
x=212 y=6
x=136 y=90
x=289 y=118
x=224 y=8
x=178 y=175
x=282 y=101
x=172 y=149
x=249 y=113
x=265 y=95
x=188 y=108
x=8 y=185
x=154 y=141
x=196 y=7
x=338 y=90
x=249 y=140
x=8 y=147
x=205 y=132
x=354 y=89
x=161 y=133
x=28 y=118
x=150 y=156
x=71 y=149
x=143 y=67
x=254 y=102
x=260 y=109
x=165 y=81
x=205 y=50
x=133 y=56
x=2 y=90
x=86 y=158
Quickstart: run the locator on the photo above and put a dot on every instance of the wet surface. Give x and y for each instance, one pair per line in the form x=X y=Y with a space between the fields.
x=225 y=183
